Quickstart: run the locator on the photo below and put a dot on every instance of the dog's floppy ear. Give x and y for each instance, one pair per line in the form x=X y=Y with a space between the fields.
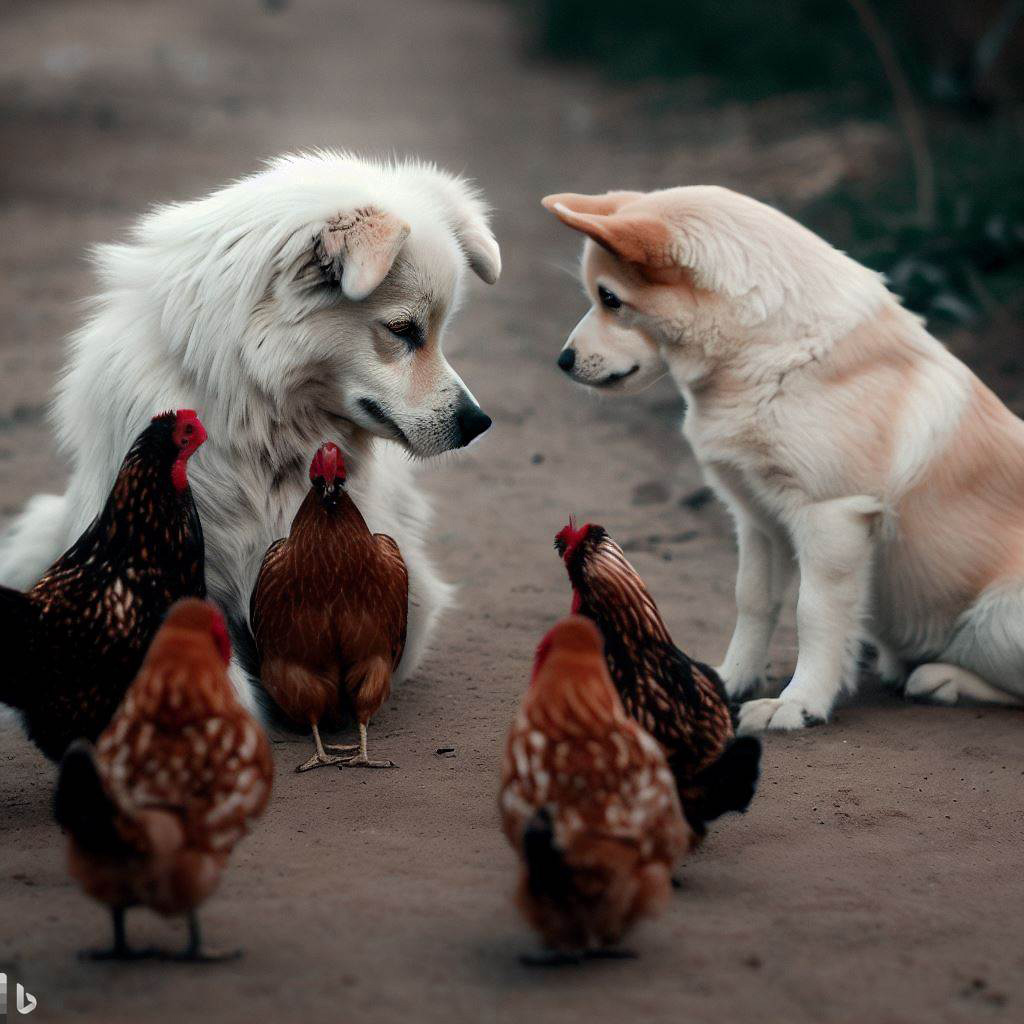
x=467 y=215
x=358 y=248
x=479 y=244
x=483 y=253
x=633 y=237
x=610 y=202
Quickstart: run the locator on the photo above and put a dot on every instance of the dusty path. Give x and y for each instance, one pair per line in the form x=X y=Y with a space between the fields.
x=877 y=878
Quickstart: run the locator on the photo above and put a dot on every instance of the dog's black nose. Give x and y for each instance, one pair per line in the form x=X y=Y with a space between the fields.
x=472 y=421
x=567 y=359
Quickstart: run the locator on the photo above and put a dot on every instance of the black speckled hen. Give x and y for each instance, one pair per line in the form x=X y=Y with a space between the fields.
x=76 y=640
x=679 y=701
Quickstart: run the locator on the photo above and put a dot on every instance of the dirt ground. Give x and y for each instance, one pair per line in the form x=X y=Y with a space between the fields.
x=877 y=877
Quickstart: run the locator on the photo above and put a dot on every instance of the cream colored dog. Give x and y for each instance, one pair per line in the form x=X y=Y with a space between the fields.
x=848 y=443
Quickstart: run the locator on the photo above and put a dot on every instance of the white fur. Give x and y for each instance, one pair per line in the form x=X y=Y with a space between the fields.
x=830 y=422
x=219 y=305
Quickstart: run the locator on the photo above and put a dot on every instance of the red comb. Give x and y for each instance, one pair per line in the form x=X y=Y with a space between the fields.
x=328 y=463
x=185 y=416
x=571 y=537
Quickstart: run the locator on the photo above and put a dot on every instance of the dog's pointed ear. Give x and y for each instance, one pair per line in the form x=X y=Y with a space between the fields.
x=639 y=238
x=610 y=202
x=357 y=249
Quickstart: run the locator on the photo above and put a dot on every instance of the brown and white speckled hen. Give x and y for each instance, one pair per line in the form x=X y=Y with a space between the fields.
x=679 y=701
x=329 y=613
x=154 y=811
x=588 y=803
x=75 y=641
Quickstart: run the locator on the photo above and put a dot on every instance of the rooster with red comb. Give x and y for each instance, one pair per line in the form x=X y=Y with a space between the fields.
x=329 y=614
x=679 y=701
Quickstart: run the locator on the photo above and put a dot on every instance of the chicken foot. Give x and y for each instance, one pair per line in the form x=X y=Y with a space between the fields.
x=194 y=951
x=551 y=958
x=321 y=758
x=362 y=760
x=120 y=950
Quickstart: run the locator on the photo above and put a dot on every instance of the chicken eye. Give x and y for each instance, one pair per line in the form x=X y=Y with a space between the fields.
x=608 y=298
x=408 y=330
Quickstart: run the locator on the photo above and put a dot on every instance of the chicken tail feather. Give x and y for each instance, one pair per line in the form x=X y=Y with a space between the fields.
x=82 y=806
x=728 y=784
x=17 y=620
x=549 y=876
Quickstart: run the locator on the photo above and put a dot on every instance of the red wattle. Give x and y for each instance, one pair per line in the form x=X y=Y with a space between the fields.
x=179 y=473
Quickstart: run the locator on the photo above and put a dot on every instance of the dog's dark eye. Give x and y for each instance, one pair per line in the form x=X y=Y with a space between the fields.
x=408 y=330
x=608 y=299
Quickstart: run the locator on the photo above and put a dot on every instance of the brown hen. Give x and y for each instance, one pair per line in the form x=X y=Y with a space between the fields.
x=154 y=811
x=679 y=701
x=329 y=614
x=588 y=803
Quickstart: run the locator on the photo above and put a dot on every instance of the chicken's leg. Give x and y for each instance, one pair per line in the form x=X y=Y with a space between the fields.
x=194 y=952
x=341 y=748
x=321 y=758
x=362 y=760
x=120 y=950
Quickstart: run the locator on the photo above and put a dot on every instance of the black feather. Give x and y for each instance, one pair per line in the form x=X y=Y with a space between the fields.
x=727 y=784
x=549 y=876
x=18 y=622
x=81 y=804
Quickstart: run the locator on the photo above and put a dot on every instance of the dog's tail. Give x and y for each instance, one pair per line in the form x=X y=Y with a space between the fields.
x=34 y=541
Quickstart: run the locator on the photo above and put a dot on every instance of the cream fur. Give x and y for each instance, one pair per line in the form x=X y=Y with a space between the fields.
x=851 y=446
x=222 y=305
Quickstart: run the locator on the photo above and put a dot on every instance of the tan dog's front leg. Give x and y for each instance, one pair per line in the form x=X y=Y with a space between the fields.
x=765 y=570
x=833 y=541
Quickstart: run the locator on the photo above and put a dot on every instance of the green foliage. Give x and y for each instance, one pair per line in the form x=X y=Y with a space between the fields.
x=960 y=267
x=751 y=47
x=970 y=260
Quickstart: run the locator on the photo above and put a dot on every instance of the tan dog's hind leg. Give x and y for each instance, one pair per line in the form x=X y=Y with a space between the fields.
x=950 y=684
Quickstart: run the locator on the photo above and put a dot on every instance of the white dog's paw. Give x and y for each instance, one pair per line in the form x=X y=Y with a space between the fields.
x=774 y=713
x=950 y=684
x=740 y=686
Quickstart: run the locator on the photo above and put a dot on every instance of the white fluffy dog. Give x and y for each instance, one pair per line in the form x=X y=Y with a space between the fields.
x=304 y=303
x=848 y=443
